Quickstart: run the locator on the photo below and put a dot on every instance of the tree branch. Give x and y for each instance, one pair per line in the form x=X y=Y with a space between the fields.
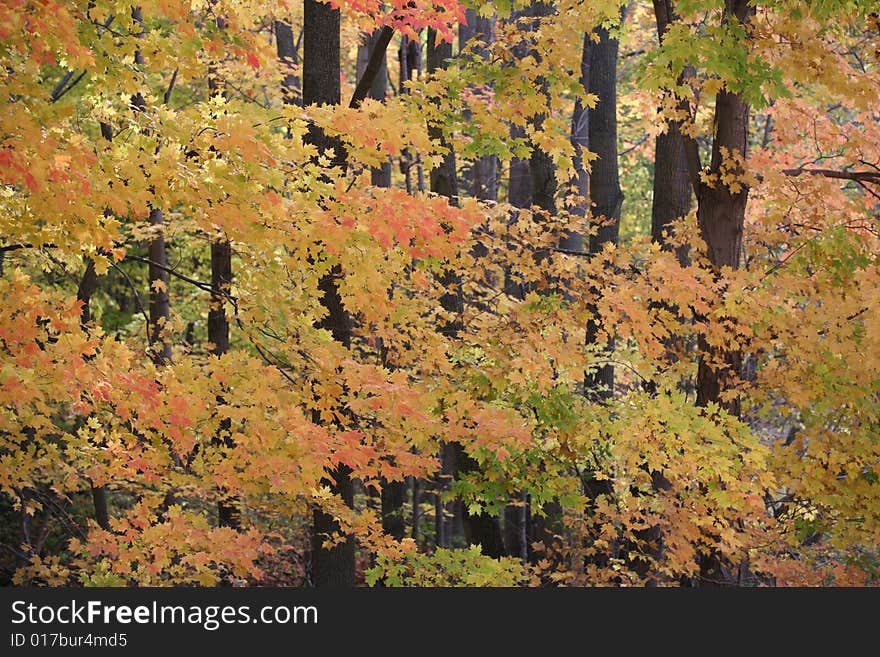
x=373 y=67
x=60 y=90
x=16 y=247
x=856 y=176
x=167 y=97
x=263 y=355
x=137 y=297
x=202 y=285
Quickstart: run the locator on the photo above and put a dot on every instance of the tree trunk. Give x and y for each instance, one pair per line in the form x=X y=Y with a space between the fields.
x=160 y=313
x=480 y=178
x=580 y=139
x=379 y=176
x=542 y=170
x=416 y=486
x=444 y=181
x=287 y=49
x=320 y=85
x=672 y=184
x=443 y=178
x=393 y=498
x=87 y=286
x=218 y=335
x=605 y=193
x=516 y=528
x=538 y=174
x=543 y=180
x=160 y=306
x=721 y=215
x=228 y=513
x=410 y=59
x=393 y=492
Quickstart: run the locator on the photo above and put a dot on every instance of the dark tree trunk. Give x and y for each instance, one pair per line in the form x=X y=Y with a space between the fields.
x=605 y=193
x=480 y=178
x=160 y=307
x=444 y=181
x=542 y=170
x=287 y=50
x=519 y=181
x=221 y=281
x=480 y=181
x=379 y=176
x=721 y=215
x=484 y=530
x=444 y=512
x=543 y=180
x=580 y=139
x=228 y=513
x=320 y=84
x=519 y=195
x=393 y=492
x=672 y=184
x=443 y=178
x=519 y=185
x=516 y=528
x=531 y=182
x=416 y=509
x=160 y=312
x=478 y=529
x=393 y=497
x=481 y=528
x=410 y=60
x=87 y=286
x=333 y=567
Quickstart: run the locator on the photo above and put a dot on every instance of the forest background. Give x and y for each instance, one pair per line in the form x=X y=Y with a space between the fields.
x=429 y=293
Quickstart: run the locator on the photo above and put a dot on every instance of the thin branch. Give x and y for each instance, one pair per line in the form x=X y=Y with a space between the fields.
x=53 y=507
x=245 y=96
x=167 y=97
x=868 y=189
x=137 y=297
x=634 y=146
x=296 y=47
x=847 y=319
x=63 y=267
x=620 y=363
x=56 y=94
x=561 y=250
x=263 y=355
x=782 y=262
x=60 y=88
x=20 y=555
x=192 y=281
